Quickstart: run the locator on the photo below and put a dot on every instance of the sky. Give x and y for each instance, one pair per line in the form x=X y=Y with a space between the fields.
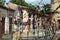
x=36 y=1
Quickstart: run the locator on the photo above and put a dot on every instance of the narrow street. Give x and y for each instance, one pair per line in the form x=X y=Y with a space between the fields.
x=32 y=38
x=42 y=38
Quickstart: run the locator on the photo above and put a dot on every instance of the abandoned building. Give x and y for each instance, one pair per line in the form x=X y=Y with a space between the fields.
x=55 y=9
x=15 y=14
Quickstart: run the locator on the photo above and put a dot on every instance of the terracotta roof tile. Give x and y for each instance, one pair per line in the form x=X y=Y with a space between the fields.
x=4 y=7
x=12 y=6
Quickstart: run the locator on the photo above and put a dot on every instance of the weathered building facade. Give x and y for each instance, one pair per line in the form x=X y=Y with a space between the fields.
x=32 y=18
x=32 y=21
x=19 y=18
x=55 y=8
x=5 y=20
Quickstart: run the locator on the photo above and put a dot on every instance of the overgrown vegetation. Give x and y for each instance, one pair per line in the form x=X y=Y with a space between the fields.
x=23 y=3
x=46 y=9
x=2 y=2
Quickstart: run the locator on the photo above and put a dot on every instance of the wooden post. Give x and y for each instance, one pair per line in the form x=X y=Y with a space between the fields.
x=3 y=25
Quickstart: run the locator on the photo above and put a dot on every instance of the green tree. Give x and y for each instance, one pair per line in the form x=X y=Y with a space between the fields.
x=46 y=9
x=23 y=3
x=2 y=2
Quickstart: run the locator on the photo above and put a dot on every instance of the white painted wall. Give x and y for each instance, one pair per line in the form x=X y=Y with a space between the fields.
x=25 y=16
x=6 y=25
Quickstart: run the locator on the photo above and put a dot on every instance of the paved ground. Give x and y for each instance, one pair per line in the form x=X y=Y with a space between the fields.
x=32 y=38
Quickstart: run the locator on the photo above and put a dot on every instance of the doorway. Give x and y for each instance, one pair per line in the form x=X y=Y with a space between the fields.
x=2 y=26
x=59 y=24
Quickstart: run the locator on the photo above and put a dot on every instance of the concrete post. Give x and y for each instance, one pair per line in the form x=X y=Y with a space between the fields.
x=6 y=25
x=31 y=26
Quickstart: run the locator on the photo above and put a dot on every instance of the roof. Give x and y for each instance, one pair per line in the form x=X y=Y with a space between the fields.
x=4 y=7
x=12 y=6
x=15 y=6
x=31 y=10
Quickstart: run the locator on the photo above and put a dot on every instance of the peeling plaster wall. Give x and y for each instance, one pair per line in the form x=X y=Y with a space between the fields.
x=3 y=12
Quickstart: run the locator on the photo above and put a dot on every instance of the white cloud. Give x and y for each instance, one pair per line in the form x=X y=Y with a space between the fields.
x=38 y=1
x=7 y=1
x=33 y=1
x=30 y=1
